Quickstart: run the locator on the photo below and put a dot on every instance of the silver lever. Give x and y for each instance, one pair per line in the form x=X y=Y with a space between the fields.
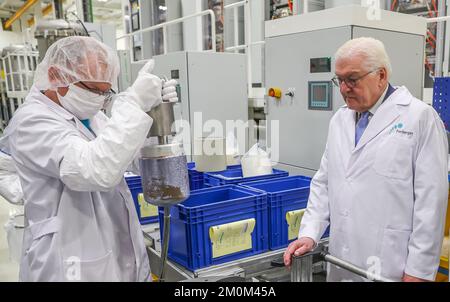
x=302 y=267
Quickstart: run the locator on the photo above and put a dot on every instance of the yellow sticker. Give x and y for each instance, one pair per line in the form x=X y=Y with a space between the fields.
x=294 y=219
x=231 y=237
x=146 y=209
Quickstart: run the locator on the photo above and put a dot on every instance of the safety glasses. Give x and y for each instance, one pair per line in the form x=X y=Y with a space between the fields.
x=350 y=82
x=109 y=94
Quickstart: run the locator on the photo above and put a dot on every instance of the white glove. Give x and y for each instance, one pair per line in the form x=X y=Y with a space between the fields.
x=146 y=89
x=169 y=92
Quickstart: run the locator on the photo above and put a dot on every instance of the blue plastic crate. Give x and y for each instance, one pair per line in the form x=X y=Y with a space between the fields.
x=135 y=187
x=284 y=195
x=229 y=208
x=134 y=182
x=196 y=178
x=234 y=176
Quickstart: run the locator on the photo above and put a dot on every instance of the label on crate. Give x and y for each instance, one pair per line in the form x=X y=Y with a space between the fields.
x=294 y=218
x=146 y=209
x=231 y=237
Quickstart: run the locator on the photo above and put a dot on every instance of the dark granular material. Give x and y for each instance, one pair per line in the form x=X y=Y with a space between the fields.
x=164 y=192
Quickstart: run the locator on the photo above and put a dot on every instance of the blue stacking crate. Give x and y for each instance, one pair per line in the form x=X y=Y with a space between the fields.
x=217 y=225
x=196 y=178
x=135 y=186
x=285 y=197
x=234 y=176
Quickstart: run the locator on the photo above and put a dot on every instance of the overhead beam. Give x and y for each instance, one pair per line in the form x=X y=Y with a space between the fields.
x=45 y=11
x=20 y=12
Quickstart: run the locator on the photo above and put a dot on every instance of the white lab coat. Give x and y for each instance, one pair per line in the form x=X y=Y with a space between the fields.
x=386 y=198
x=82 y=223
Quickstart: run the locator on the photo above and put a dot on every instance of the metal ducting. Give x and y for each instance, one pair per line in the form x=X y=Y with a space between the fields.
x=49 y=31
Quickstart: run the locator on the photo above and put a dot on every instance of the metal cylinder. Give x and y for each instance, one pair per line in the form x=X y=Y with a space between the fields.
x=163 y=118
x=165 y=179
x=302 y=269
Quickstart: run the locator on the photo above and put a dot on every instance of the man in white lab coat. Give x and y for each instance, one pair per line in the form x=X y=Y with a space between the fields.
x=81 y=223
x=382 y=184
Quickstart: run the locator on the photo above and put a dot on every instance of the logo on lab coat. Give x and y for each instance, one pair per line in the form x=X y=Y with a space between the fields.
x=399 y=129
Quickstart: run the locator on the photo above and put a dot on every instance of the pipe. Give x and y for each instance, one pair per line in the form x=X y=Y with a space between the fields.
x=236 y=27
x=20 y=12
x=438 y=19
x=248 y=41
x=354 y=269
x=236 y=4
x=165 y=243
x=440 y=41
x=45 y=11
x=238 y=47
x=209 y=12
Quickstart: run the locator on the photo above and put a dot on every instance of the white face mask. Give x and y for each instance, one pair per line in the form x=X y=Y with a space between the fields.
x=82 y=103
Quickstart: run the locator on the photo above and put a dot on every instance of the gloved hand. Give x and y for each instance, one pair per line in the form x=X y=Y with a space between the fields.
x=169 y=92
x=146 y=89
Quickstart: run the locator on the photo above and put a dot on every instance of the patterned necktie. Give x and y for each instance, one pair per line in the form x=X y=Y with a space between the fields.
x=361 y=126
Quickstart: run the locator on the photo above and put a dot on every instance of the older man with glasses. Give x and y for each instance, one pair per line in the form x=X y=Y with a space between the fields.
x=382 y=185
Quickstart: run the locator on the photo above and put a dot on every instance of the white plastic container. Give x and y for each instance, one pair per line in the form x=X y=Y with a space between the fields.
x=210 y=154
x=256 y=162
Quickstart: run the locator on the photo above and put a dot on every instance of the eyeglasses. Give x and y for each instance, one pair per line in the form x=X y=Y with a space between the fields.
x=350 y=82
x=109 y=94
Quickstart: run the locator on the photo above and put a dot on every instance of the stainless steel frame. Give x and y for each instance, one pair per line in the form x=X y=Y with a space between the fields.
x=266 y=267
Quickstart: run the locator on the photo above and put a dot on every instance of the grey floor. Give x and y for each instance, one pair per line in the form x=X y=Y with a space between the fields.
x=9 y=269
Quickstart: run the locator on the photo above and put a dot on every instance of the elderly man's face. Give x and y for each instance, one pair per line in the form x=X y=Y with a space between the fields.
x=369 y=86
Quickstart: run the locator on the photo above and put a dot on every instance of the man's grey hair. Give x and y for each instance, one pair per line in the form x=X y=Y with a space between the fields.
x=372 y=50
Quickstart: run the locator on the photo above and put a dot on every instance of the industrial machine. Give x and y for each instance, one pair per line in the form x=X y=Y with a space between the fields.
x=163 y=168
x=299 y=67
x=212 y=86
x=49 y=31
x=17 y=64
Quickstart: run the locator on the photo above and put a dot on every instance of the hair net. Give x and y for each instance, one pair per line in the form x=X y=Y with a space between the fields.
x=75 y=59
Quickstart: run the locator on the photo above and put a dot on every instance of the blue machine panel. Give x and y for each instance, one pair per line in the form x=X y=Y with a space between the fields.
x=441 y=99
